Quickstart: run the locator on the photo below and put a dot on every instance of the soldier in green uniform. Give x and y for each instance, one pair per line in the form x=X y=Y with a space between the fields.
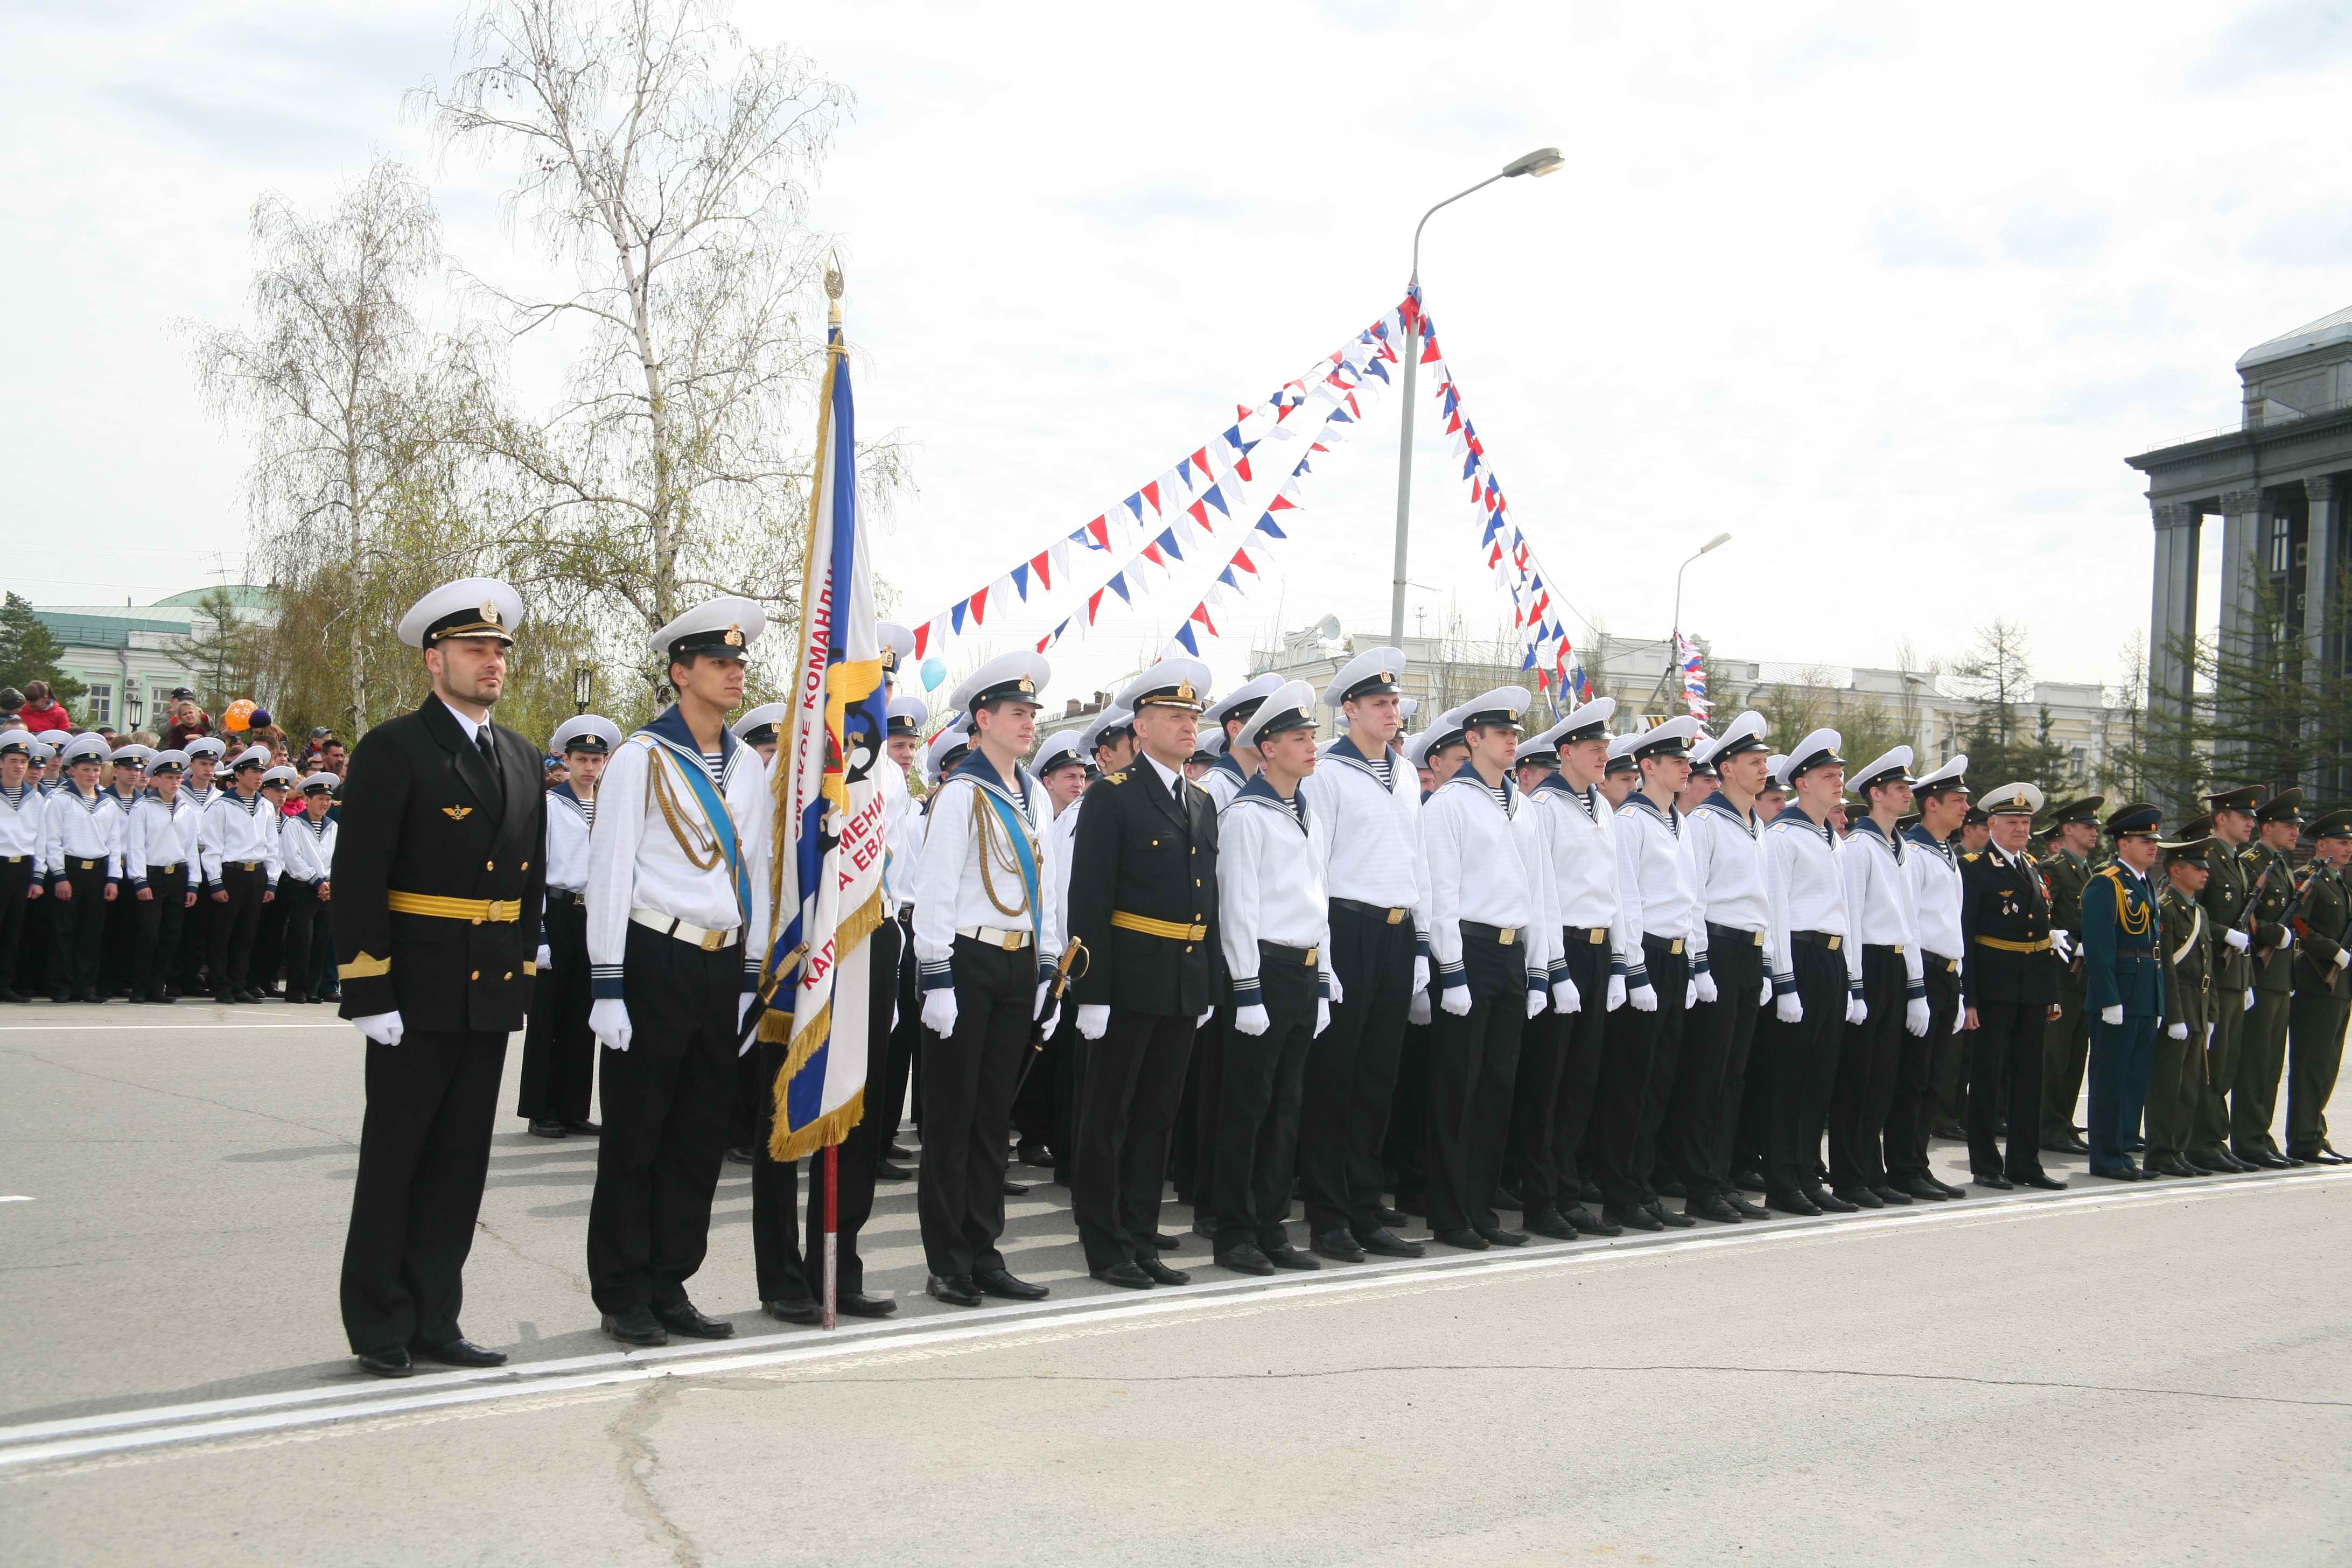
x=2074 y=833
x=2186 y=949
x=2228 y=897
x=2262 y=1040
x=2323 y=992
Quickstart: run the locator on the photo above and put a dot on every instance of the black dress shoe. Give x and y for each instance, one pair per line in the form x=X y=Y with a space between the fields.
x=1892 y=1197
x=1590 y=1224
x=1016 y=1189
x=892 y=1170
x=546 y=1126
x=1387 y=1243
x=1506 y=1197
x=1745 y=1209
x=1496 y=1235
x=2217 y=1160
x=2167 y=1165
x=740 y=1155
x=2263 y=1160
x=462 y=1351
x=684 y=1318
x=1861 y=1197
x=1164 y=1242
x=858 y=1304
x=2065 y=1146
x=1712 y=1207
x=1588 y=1190
x=1204 y=1226
x=1668 y=1217
x=793 y=1310
x=2042 y=1179
x=1635 y=1218
x=998 y=1282
x=391 y=1362
x=586 y=1129
x=1290 y=1257
x=1388 y=1217
x=1952 y=1130
x=1994 y=1180
x=135 y=999
x=637 y=1326
x=1468 y=1240
x=1793 y=1202
x=15 y=998
x=1159 y=1273
x=1244 y=1259
x=2135 y=1146
x=1032 y=1153
x=2115 y=1174
x=899 y=1150
x=1829 y=1202
x=1925 y=1191
x=1548 y=1222
x=1750 y=1181
x=1125 y=1275
x=1336 y=1244
x=300 y=996
x=955 y=1289
x=2328 y=1156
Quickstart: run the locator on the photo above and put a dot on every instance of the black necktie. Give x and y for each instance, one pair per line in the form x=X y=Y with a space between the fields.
x=490 y=758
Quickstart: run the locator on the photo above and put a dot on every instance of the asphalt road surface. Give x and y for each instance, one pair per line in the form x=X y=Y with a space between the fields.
x=2151 y=1373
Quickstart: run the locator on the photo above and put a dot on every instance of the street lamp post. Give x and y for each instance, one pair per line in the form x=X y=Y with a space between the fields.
x=1675 y=642
x=583 y=686
x=1539 y=162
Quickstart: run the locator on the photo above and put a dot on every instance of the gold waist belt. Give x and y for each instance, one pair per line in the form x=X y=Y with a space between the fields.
x=2005 y=945
x=1173 y=929
x=499 y=911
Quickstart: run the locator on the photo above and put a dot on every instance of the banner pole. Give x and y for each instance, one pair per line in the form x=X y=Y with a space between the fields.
x=832 y=1228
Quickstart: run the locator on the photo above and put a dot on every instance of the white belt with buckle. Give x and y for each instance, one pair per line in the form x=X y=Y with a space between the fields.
x=685 y=931
x=989 y=936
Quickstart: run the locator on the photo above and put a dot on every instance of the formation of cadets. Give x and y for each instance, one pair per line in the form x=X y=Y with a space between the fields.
x=1605 y=983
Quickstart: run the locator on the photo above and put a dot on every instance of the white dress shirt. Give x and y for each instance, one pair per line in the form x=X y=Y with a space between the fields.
x=77 y=827
x=1935 y=868
x=1879 y=897
x=1486 y=864
x=307 y=848
x=1375 y=832
x=1579 y=828
x=157 y=837
x=1660 y=890
x=22 y=811
x=1270 y=883
x=237 y=830
x=950 y=892
x=1807 y=887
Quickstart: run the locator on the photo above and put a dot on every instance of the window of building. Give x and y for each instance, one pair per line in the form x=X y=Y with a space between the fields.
x=2282 y=546
x=99 y=703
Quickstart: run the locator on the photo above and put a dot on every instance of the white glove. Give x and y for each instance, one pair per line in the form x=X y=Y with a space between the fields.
x=1322 y=1015
x=1202 y=1021
x=1616 y=994
x=1046 y=1024
x=1417 y=1010
x=2286 y=939
x=383 y=1028
x=608 y=1020
x=1535 y=1001
x=939 y=1011
x=2250 y=1001
x=1690 y=993
x=2343 y=956
x=1420 y=974
x=1959 y=1019
x=1644 y=998
x=1456 y=999
x=2064 y=940
x=1565 y=998
x=1252 y=1020
x=1706 y=987
x=1339 y=992
x=2238 y=939
x=1094 y=1017
x=2209 y=1036
x=1764 y=992
x=545 y=960
x=2177 y=1031
x=1857 y=1010
x=1915 y=1016
x=743 y=1008
x=1789 y=1009
x=2111 y=1014
x=1037 y=1008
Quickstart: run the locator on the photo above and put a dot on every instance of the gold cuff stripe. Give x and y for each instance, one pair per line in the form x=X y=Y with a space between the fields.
x=474 y=910
x=363 y=968
x=1173 y=929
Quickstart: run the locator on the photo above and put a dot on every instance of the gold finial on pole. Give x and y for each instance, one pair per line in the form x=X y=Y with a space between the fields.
x=833 y=287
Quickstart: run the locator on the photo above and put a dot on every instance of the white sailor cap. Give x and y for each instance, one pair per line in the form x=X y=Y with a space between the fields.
x=132 y=754
x=1772 y=767
x=1621 y=747
x=1540 y=749
x=1170 y=683
x=87 y=749
x=1895 y=767
x=320 y=782
x=52 y=739
x=17 y=741
x=1445 y=731
x=908 y=715
x=1289 y=706
x=1059 y=751
x=1209 y=746
x=1671 y=738
x=758 y=726
x=1372 y=673
x=469 y=607
x=1491 y=709
x=947 y=748
x=1743 y=733
x=898 y=645
x=1589 y=723
x=1115 y=722
x=1242 y=700
x=1008 y=678
x=211 y=746
x=2011 y=800
x=1950 y=779
x=1817 y=750
x=166 y=762
x=1406 y=708
x=724 y=627
x=1702 y=753
x=589 y=732
x=281 y=775
x=251 y=757
x=1416 y=747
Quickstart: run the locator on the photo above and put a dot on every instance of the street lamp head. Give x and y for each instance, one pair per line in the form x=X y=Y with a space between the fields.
x=1719 y=541
x=1539 y=162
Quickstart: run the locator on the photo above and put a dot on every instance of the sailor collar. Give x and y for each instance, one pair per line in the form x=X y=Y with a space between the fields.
x=1345 y=749
x=569 y=796
x=670 y=728
x=1795 y=816
x=1588 y=798
x=1225 y=761
x=1928 y=841
x=1670 y=819
x=983 y=775
x=1267 y=797
x=1719 y=803
x=1891 y=843
x=1469 y=773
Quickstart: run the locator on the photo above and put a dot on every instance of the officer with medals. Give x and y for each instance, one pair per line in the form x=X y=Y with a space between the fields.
x=984 y=918
x=2228 y=898
x=436 y=965
x=2072 y=832
x=2186 y=948
x=677 y=922
x=2125 y=982
x=559 y=1052
x=2262 y=1041
x=2323 y=991
x=1143 y=884
x=2010 y=983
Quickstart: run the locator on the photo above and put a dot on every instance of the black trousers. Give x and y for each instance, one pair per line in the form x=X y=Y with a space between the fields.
x=1352 y=1072
x=118 y=952
x=1133 y=1083
x=234 y=924
x=305 y=919
x=1260 y=1085
x=1643 y=1051
x=76 y=928
x=668 y=1101
x=269 y=943
x=424 y=1149
x=1550 y=1121
x=785 y=1271
x=968 y=1080
x=1911 y=1113
x=197 y=939
x=890 y=1105
x=2005 y=1080
x=160 y=916
x=1193 y=1142
x=1804 y=1068
x=1703 y=1116
x=559 y=1052
x=16 y=880
x=1474 y=1064
x=1867 y=1063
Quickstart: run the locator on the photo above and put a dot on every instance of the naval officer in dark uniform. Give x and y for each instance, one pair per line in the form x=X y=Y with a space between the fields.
x=440 y=853
x=2125 y=979
x=2009 y=982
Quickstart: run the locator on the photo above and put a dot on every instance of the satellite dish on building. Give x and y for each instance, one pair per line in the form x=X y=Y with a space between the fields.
x=1328 y=628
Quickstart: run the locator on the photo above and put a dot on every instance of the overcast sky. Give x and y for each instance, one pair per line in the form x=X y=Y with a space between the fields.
x=1887 y=291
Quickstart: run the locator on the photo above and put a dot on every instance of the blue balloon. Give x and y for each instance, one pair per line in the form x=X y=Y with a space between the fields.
x=934 y=671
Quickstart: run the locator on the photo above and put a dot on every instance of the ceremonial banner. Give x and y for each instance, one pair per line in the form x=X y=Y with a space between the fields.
x=826 y=876
x=1693 y=664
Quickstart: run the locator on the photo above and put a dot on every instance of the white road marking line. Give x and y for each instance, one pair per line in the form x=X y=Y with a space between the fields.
x=14 y=1198
x=159 y=1025
x=245 y=1415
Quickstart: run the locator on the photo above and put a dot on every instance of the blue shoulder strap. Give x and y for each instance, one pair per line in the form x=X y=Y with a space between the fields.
x=715 y=815
x=1016 y=829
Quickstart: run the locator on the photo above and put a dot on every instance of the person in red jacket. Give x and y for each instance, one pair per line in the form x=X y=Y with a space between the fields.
x=42 y=711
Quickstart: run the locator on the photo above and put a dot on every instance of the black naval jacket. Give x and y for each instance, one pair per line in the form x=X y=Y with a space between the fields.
x=1137 y=853
x=2005 y=922
x=422 y=814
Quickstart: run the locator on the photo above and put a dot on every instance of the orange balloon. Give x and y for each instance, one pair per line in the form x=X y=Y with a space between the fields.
x=239 y=715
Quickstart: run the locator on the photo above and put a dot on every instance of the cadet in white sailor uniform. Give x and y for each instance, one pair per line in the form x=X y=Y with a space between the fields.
x=757 y=730
x=1435 y=754
x=52 y=765
x=199 y=787
x=1061 y=768
x=1274 y=926
x=269 y=930
x=1726 y=846
x=237 y=837
x=1493 y=934
x=1236 y=760
x=119 y=947
x=902 y=838
x=1667 y=975
x=1367 y=798
x=306 y=886
x=22 y=807
x=678 y=880
x=1932 y=855
x=160 y=862
x=559 y=1052
x=1817 y=987
x=1882 y=903
x=81 y=850
x=985 y=910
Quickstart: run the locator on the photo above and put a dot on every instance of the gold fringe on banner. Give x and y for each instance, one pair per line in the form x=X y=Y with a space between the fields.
x=776 y=1023
x=798 y=1143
